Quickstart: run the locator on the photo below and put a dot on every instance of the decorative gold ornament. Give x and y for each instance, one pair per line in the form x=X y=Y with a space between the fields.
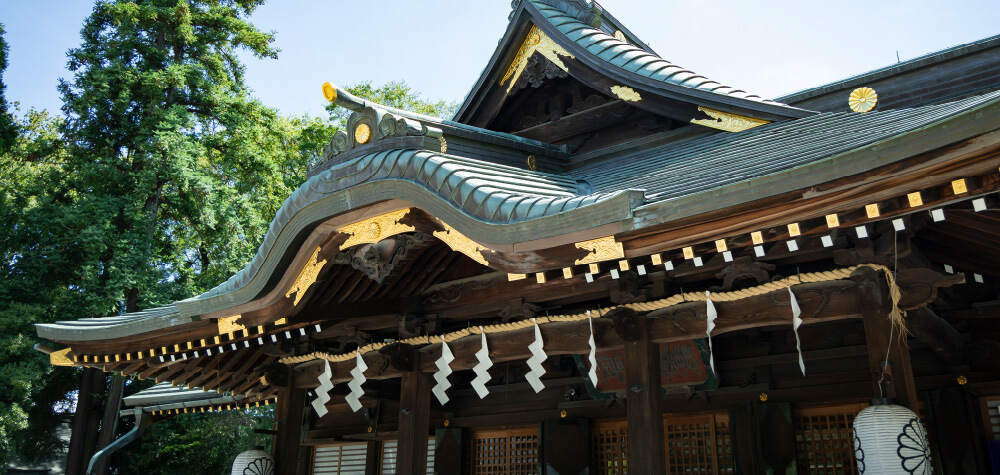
x=447 y=422
x=620 y=36
x=307 y=277
x=536 y=41
x=915 y=199
x=362 y=133
x=626 y=93
x=513 y=277
x=727 y=121
x=832 y=220
x=370 y=429
x=532 y=163
x=567 y=272
x=721 y=246
x=688 y=252
x=562 y=414
x=375 y=229
x=862 y=99
x=60 y=358
x=793 y=230
x=959 y=186
x=281 y=321
x=330 y=92
x=229 y=325
x=458 y=242
x=872 y=210
x=601 y=249
x=962 y=380
x=757 y=237
x=444 y=145
x=763 y=397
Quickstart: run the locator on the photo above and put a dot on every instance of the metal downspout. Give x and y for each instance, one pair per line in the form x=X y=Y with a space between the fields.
x=141 y=422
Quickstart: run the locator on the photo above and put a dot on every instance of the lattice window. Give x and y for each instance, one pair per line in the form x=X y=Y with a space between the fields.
x=390 y=449
x=823 y=441
x=341 y=459
x=508 y=451
x=609 y=447
x=698 y=444
x=991 y=415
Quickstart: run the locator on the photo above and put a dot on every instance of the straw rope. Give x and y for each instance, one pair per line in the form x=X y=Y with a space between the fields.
x=895 y=315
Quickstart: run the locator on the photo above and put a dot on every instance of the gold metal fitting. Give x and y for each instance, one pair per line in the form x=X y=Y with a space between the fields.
x=763 y=397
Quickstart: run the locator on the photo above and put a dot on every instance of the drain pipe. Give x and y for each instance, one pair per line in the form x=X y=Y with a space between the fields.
x=142 y=421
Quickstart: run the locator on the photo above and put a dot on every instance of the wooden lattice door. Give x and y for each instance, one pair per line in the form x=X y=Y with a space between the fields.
x=823 y=441
x=698 y=443
x=609 y=447
x=506 y=451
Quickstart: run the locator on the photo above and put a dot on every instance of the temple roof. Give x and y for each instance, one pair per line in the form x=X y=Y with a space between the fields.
x=495 y=204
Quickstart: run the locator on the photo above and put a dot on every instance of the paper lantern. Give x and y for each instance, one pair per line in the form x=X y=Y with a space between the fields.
x=889 y=439
x=253 y=461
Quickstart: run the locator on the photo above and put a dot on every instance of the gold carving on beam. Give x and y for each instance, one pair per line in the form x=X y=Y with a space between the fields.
x=59 y=358
x=536 y=41
x=513 y=277
x=626 y=93
x=862 y=99
x=793 y=230
x=727 y=121
x=757 y=237
x=458 y=242
x=601 y=249
x=959 y=186
x=915 y=199
x=688 y=252
x=567 y=272
x=721 y=246
x=444 y=145
x=872 y=210
x=281 y=321
x=373 y=230
x=620 y=36
x=832 y=220
x=307 y=277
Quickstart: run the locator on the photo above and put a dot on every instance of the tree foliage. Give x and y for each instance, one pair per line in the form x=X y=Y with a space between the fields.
x=158 y=184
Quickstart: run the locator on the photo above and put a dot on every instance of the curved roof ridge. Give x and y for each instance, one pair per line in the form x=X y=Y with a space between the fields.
x=635 y=59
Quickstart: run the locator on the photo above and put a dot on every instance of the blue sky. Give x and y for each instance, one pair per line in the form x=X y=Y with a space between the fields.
x=440 y=46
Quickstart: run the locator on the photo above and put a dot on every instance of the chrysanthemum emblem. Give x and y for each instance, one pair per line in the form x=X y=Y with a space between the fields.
x=863 y=99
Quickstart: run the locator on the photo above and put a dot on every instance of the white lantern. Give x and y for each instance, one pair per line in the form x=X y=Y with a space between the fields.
x=253 y=461
x=889 y=439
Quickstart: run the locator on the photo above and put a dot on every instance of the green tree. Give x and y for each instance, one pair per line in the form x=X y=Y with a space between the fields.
x=8 y=127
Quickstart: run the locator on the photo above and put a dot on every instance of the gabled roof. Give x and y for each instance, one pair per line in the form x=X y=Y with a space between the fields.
x=581 y=27
x=494 y=204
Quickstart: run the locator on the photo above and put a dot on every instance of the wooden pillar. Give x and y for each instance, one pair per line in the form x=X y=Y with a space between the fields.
x=886 y=346
x=85 y=420
x=109 y=423
x=646 y=452
x=288 y=414
x=373 y=458
x=414 y=422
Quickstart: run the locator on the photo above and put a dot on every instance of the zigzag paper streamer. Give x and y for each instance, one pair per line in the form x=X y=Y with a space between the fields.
x=354 y=399
x=538 y=355
x=709 y=326
x=444 y=370
x=482 y=369
x=323 y=391
x=796 y=323
x=593 y=352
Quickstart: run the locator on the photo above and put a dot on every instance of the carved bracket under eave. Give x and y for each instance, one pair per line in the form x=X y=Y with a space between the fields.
x=601 y=249
x=375 y=229
x=535 y=42
x=307 y=277
x=458 y=242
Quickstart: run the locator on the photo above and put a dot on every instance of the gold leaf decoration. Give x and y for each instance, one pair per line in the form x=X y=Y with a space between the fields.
x=362 y=133
x=862 y=99
x=458 y=242
x=536 y=41
x=620 y=36
x=307 y=277
x=375 y=229
x=601 y=249
x=444 y=145
x=61 y=358
x=626 y=93
x=727 y=121
x=229 y=325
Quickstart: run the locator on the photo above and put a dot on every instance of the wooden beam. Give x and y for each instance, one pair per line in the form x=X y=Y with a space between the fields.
x=645 y=417
x=414 y=423
x=819 y=302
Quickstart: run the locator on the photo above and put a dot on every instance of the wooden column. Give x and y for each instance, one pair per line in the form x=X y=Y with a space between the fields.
x=85 y=420
x=288 y=414
x=414 y=422
x=109 y=423
x=373 y=458
x=645 y=418
x=886 y=346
